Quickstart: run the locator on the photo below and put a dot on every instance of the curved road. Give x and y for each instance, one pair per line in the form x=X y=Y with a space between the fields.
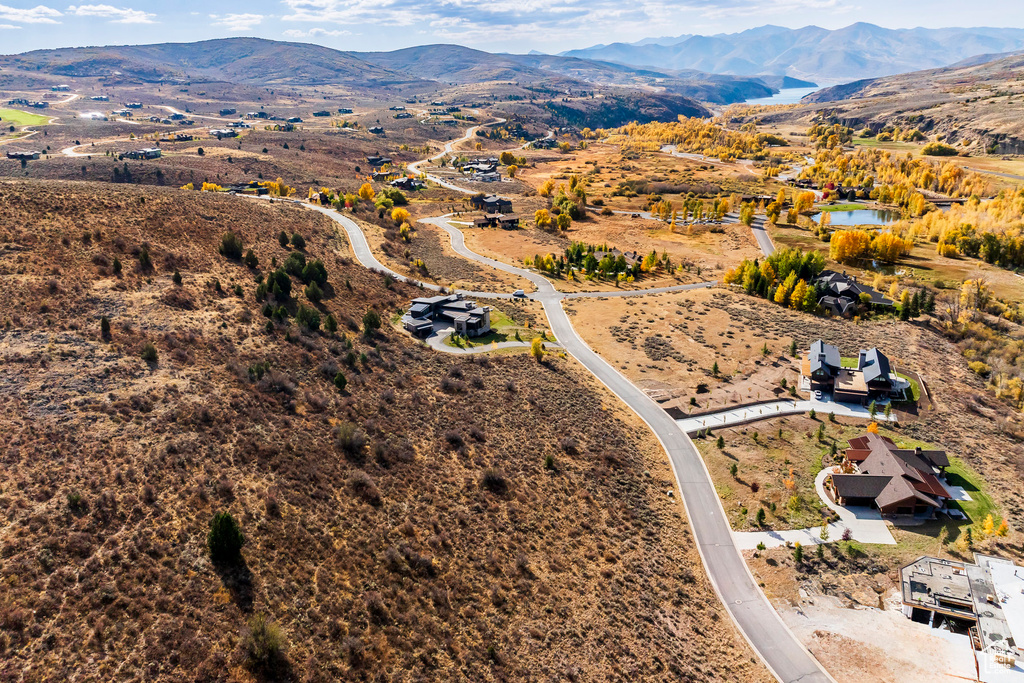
x=754 y=616
x=756 y=619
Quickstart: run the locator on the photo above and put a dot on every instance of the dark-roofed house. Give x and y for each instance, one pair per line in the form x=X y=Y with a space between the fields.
x=23 y=156
x=871 y=380
x=378 y=161
x=896 y=481
x=463 y=315
x=497 y=220
x=407 y=183
x=823 y=363
x=841 y=294
x=491 y=203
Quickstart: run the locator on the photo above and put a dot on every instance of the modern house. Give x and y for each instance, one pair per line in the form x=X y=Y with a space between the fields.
x=60 y=88
x=221 y=133
x=491 y=203
x=227 y=112
x=99 y=98
x=497 y=220
x=385 y=176
x=253 y=188
x=378 y=161
x=403 y=115
x=321 y=113
x=841 y=294
x=147 y=153
x=871 y=379
x=985 y=599
x=463 y=315
x=344 y=110
x=23 y=156
x=896 y=481
x=493 y=177
x=133 y=105
x=407 y=183
x=376 y=130
x=295 y=119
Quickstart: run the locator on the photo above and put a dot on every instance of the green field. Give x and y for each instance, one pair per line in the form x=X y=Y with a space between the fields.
x=503 y=329
x=13 y=117
x=841 y=207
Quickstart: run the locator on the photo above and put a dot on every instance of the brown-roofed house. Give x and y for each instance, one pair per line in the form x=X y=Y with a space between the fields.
x=896 y=481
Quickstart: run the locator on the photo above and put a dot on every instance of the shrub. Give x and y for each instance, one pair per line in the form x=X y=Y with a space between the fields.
x=371 y=322
x=145 y=262
x=362 y=484
x=263 y=642
x=295 y=264
x=225 y=539
x=313 y=292
x=251 y=260
x=340 y=381
x=280 y=284
x=331 y=323
x=494 y=480
x=282 y=239
x=105 y=328
x=938 y=149
x=351 y=439
x=979 y=368
x=308 y=318
x=149 y=353
x=298 y=241
x=117 y=266
x=314 y=271
x=231 y=246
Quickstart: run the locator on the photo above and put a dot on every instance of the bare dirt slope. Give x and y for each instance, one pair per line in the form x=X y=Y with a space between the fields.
x=433 y=545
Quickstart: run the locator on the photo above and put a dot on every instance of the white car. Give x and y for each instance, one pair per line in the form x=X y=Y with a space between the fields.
x=519 y=294
x=817 y=394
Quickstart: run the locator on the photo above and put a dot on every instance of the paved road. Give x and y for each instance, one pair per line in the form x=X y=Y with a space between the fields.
x=758 y=227
x=1009 y=176
x=756 y=619
x=784 y=655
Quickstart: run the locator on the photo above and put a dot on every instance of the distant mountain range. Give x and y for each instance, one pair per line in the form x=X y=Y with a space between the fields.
x=256 y=61
x=856 y=52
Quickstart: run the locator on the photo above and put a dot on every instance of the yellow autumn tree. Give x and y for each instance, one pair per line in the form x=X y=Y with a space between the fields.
x=873 y=428
x=849 y=245
x=989 y=525
x=399 y=215
x=785 y=289
x=542 y=217
x=366 y=192
x=796 y=299
x=546 y=188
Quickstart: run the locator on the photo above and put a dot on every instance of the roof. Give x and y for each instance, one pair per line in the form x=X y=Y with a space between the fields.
x=874 y=365
x=859 y=485
x=824 y=357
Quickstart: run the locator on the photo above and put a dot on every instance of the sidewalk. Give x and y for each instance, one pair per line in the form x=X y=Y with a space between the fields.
x=767 y=411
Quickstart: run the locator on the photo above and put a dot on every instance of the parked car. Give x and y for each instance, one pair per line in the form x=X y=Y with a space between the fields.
x=519 y=294
x=817 y=394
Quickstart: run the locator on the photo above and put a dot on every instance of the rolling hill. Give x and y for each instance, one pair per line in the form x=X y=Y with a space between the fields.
x=855 y=52
x=256 y=61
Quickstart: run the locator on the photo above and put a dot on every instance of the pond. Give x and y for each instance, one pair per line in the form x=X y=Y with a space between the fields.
x=784 y=96
x=864 y=217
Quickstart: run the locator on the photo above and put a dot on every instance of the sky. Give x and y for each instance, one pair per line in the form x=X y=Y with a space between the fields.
x=550 y=26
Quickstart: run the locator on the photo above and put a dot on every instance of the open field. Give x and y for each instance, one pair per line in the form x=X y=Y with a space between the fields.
x=14 y=117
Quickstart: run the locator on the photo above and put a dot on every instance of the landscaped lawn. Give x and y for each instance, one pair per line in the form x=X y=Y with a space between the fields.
x=503 y=329
x=981 y=504
x=841 y=207
x=13 y=117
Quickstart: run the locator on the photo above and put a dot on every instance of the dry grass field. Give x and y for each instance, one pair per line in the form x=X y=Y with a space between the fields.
x=404 y=528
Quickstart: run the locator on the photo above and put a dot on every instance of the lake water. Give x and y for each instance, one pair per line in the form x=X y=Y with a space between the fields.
x=864 y=217
x=785 y=96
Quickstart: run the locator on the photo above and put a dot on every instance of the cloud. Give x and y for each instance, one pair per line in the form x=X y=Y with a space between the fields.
x=117 y=15
x=40 y=14
x=314 y=32
x=237 y=22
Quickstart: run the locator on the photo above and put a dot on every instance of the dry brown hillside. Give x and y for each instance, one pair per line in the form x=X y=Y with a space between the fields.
x=431 y=544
